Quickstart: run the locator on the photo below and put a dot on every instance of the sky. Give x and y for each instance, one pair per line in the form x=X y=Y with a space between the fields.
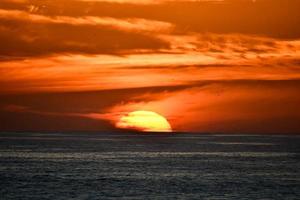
x=207 y=66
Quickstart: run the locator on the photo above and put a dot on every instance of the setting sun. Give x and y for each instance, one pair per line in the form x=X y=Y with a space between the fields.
x=146 y=121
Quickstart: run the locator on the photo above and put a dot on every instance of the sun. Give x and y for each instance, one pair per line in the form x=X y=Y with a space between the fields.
x=146 y=121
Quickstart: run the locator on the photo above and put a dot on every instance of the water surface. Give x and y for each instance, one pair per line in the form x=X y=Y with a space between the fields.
x=132 y=166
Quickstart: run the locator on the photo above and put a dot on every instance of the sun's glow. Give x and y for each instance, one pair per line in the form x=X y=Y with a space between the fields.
x=146 y=121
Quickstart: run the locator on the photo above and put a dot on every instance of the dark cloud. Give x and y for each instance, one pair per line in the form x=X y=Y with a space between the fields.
x=80 y=102
x=273 y=18
x=23 y=39
x=12 y=121
x=51 y=111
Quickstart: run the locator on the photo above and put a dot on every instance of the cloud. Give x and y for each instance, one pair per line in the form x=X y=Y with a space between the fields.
x=189 y=58
x=24 y=34
x=238 y=106
x=34 y=29
x=131 y=24
x=78 y=110
x=27 y=40
x=223 y=107
x=210 y=66
x=15 y=108
x=279 y=20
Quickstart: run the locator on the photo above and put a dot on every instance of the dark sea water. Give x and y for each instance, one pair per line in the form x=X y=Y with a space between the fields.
x=132 y=166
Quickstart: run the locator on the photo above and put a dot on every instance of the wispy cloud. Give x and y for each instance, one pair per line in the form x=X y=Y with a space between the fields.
x=132 y=24
x=77 y=72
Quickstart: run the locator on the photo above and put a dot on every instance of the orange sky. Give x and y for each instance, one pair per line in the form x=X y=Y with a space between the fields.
x=222 y=66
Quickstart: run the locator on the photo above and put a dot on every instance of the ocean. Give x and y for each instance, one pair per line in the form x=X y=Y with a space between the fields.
x=148 y=166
